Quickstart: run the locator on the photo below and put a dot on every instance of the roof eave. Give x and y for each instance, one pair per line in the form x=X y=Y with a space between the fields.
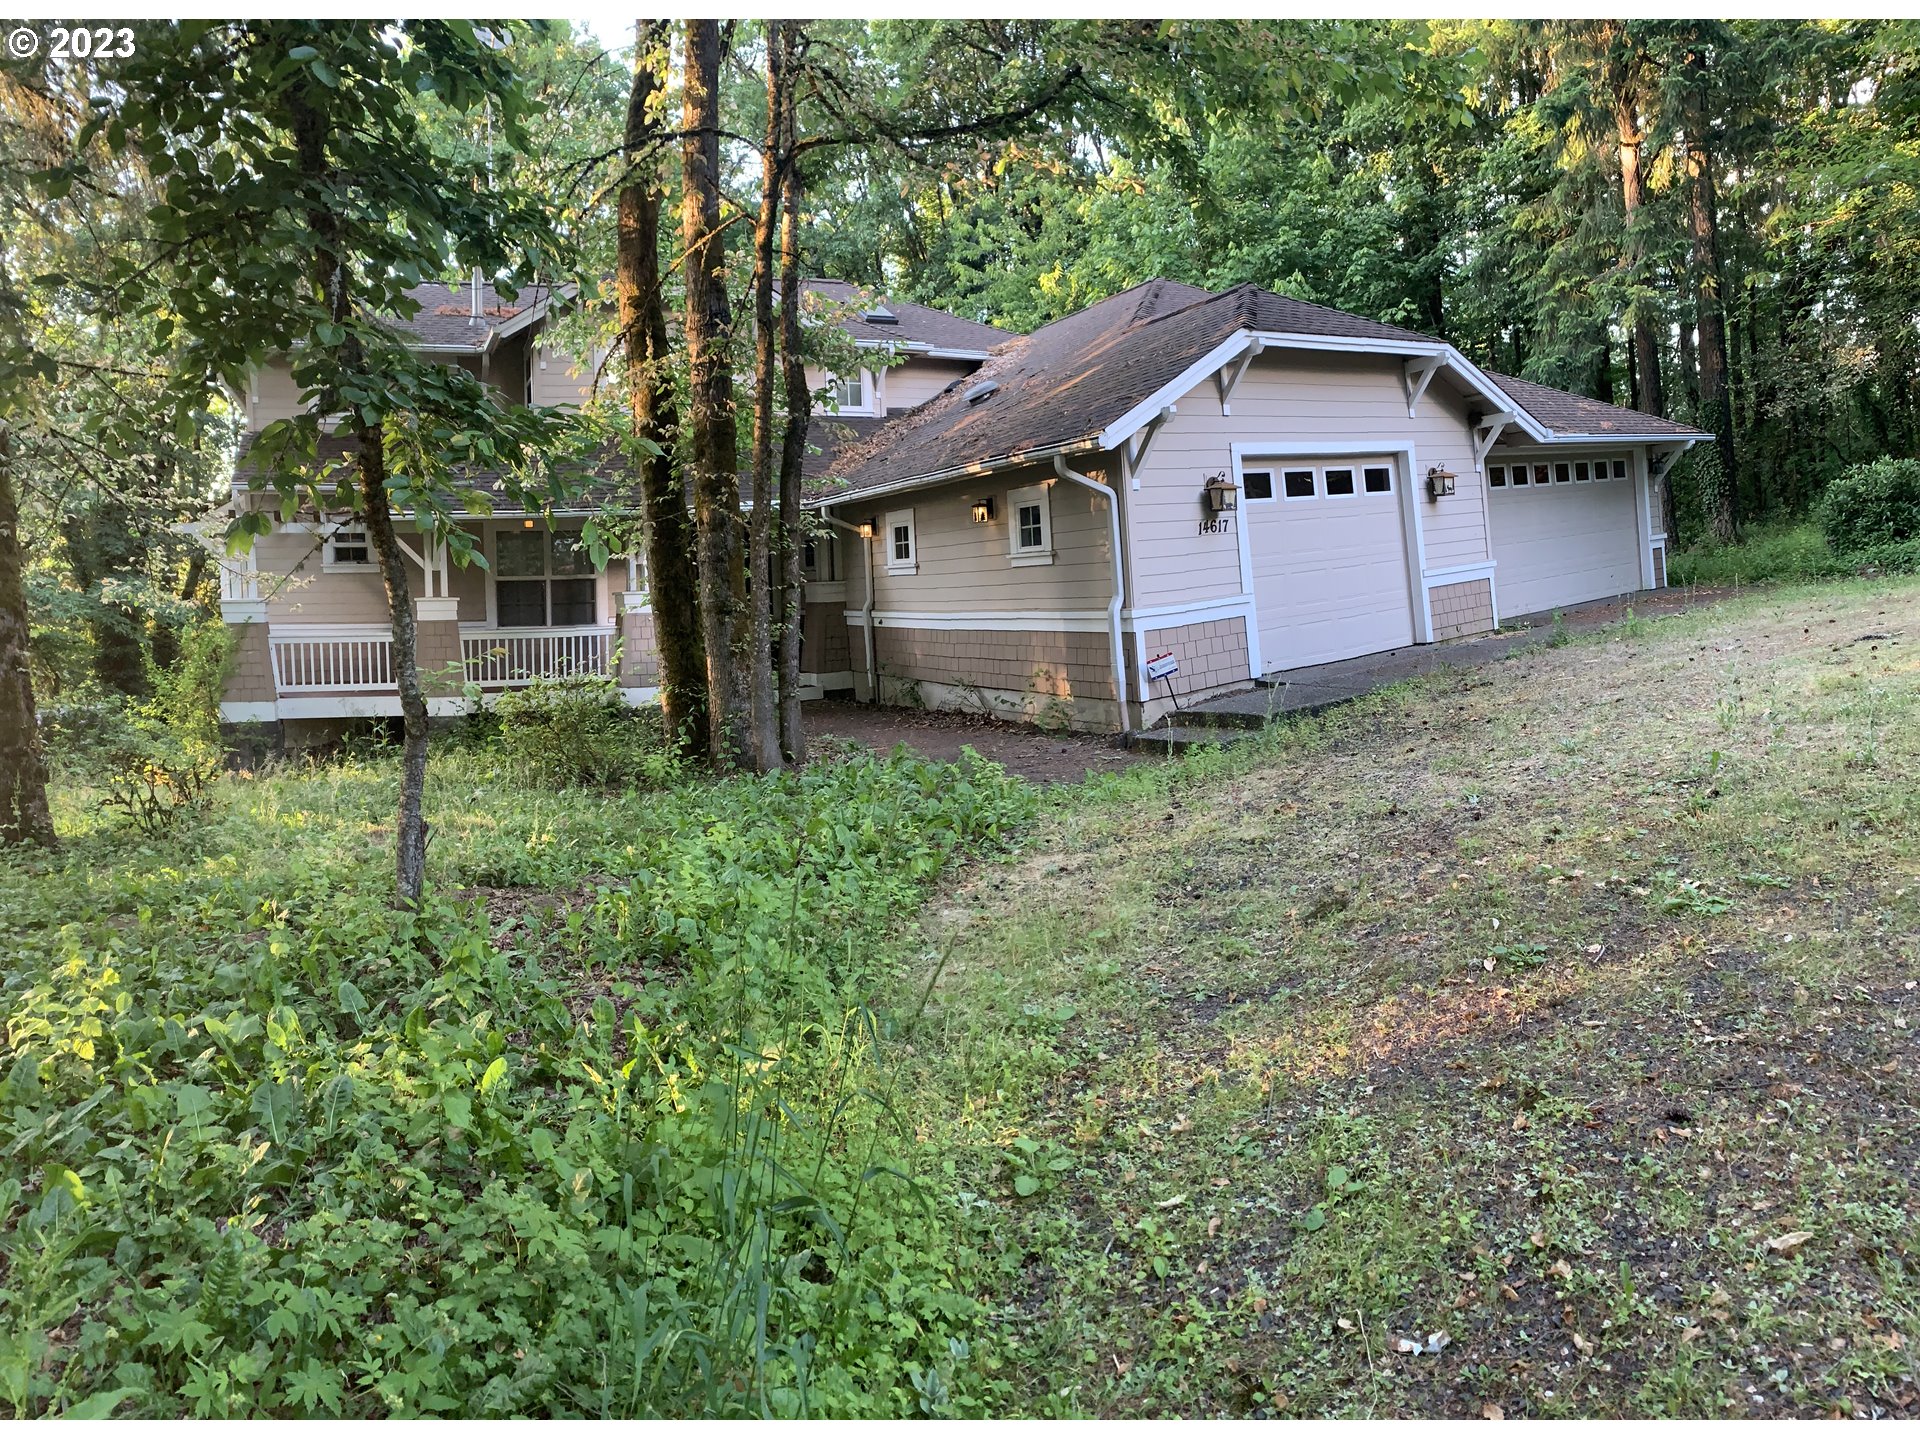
x=974 y=469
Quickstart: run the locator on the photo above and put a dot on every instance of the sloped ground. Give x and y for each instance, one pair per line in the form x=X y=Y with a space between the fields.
x=1558 y=1019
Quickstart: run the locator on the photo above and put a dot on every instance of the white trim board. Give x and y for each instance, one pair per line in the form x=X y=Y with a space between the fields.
x=1075 y=622
x=1455 y=574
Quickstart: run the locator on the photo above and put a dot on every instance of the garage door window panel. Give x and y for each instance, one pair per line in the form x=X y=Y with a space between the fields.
x=1299 y=484
x=1339 y=481
x=1378 y=479
x=1257 y=485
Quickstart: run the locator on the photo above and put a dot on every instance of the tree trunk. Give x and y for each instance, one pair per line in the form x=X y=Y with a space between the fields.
x=672 y=581
x=1716 y=411
x=793 y=449
x=410 y=851
x=762 y=574
x=24 y=816
x=714 y=445
x=1649 y=394
x=333 y=280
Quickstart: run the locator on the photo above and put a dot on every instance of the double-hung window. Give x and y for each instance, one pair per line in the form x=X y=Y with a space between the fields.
x=1030 y=528
x=543 y=578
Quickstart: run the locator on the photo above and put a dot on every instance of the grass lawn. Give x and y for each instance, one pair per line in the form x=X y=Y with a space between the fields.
x=1541 y=1040
x=1540 y=1037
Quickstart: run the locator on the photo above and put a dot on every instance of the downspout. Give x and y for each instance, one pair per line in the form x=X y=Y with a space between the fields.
x=866 y=614
x=1074 y=477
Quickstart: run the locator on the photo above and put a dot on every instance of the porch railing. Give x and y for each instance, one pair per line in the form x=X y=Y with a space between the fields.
x=518 y=657
x=332 y=657
x=359 y=658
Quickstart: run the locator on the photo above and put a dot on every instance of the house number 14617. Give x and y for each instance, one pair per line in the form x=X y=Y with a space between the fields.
x=1216 y=525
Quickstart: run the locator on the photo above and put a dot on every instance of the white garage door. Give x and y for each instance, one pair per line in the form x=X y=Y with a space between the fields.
x=1564 y=531
x=1329 y=554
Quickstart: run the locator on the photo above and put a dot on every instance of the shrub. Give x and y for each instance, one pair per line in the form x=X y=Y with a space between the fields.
x=274 y=1149
x=1872 y=507
x=579 y=731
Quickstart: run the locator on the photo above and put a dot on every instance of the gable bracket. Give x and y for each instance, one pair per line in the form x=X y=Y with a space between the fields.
x=1228 y=376
x=1487 y=430
x=1136 y=448
x=1659 y=462
x=1418 y=373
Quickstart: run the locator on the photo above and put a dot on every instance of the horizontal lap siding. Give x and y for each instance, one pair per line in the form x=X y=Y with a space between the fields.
x=279 y=395
x=559 y=379
x=914 y=381
x=964 y=567
x=1288 y=398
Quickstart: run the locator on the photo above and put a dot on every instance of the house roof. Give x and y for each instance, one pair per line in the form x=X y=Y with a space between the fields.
x=914 y=326
x=446 y=320
x=1065 y=385
x=1567 y=414
x=603 y=482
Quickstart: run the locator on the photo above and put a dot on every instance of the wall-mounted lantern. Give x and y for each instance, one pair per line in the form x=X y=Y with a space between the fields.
x=1219 y=494
x=867 y=529
x=983 y=511
x=1439 y=482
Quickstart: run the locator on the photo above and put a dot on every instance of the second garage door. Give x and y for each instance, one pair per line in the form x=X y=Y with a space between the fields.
x=1329 y=554
x=1564 y=531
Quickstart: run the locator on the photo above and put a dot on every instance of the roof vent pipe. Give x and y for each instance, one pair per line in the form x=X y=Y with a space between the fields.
x=977 y=393
x=473 y=314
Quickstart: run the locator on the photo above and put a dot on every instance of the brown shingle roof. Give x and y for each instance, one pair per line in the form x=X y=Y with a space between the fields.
x=1568 y=414
x=915 y=324
x=604 y=481
x=445 y=317
x=1068 y=381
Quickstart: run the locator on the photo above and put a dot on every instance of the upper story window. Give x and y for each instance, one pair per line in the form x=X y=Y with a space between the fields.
x=543 y=578
x=851 y=394
x=903 y=555
x=1030 y=526
x=348 y=550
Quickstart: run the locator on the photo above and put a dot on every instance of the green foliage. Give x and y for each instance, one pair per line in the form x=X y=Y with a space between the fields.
x=618 y=1145
x=1872 y=507
x=577 y=730
x=1781 y=551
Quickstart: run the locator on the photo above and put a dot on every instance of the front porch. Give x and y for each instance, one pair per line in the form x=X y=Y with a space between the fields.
x=343 y=671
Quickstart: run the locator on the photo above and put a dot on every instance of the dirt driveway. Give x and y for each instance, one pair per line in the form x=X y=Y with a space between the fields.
x=1045 y=758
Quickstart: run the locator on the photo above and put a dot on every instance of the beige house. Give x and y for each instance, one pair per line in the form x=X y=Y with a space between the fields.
x=306 y=603
x=1175 y=493
x=1168 y=495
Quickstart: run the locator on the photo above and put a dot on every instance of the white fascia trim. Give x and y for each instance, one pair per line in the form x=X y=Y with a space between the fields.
x=1077 y=621
x=920 y=347
x=1454 y=574
x=941 y=352
x=640 y=694
x=1228 y=349
x=969 y=471
x=1569 y=437
x=345 y=707
x=248 y=712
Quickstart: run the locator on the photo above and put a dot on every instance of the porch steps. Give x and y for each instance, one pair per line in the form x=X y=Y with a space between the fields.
x=1178 y=739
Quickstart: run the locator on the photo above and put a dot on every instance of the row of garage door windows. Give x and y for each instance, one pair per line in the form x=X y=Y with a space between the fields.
x=1563 y=472
x=1332 y=480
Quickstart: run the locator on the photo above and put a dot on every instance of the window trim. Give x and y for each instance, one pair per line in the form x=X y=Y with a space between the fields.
x=1366 y=489
x=1312 y=472
x=1274 y=486
x=910 y=565
x=545 y=578
x=331 y=565
x=1352 y=468
x=869 y=393
x=1041 y=554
